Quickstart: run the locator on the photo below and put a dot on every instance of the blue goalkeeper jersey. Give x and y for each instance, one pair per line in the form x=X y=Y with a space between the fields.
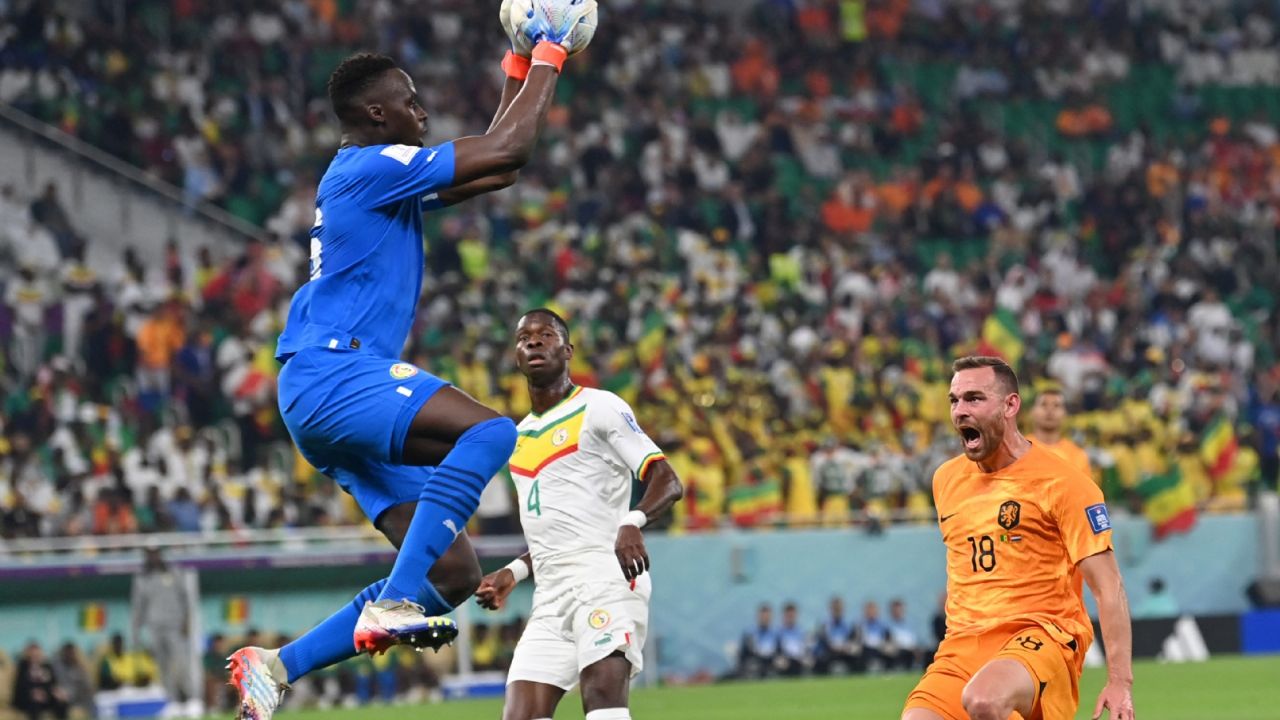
x=366 y=249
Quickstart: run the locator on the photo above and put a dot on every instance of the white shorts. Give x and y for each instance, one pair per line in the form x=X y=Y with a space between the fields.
x=581 y=626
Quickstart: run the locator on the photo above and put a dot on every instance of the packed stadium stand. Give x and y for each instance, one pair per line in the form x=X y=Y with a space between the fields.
x=772 y=250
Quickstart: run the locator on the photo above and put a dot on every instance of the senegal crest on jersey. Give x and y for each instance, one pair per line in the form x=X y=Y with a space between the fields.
x=400 y=371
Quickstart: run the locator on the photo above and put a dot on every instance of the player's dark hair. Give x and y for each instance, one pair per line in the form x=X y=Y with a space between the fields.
x=562 y=327
x=1004 y=374
x=352 y=77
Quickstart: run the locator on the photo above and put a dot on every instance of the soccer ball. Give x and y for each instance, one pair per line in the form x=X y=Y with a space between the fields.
x=557 y=14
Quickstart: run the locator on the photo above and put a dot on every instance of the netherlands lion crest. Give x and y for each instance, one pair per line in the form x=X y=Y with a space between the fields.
x=1010 y=514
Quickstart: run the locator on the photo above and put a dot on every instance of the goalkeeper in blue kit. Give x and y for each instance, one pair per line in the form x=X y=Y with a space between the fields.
x=414 y=452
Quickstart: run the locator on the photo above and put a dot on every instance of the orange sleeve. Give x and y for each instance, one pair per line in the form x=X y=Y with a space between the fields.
x=1081 y=514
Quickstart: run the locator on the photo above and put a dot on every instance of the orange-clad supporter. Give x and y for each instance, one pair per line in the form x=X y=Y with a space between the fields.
x=160 y=337
x=968 y=194
x=818 y=83
x=1022 y=529
x=1072 y=123
x=851 y=208
x=939 y=184
x=113 y=515
x=1162 y=177
x=815 y=21
x=1097 y=119
x=754 y=72
x=907 y=117
x=885 y=17
x=1048 y=415
x=898 y=194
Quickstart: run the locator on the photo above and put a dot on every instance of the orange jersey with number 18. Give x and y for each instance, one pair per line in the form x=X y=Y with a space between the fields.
x=1013 y=540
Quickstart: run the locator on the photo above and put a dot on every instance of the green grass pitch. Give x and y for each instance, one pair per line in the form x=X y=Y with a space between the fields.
x=1237 y=688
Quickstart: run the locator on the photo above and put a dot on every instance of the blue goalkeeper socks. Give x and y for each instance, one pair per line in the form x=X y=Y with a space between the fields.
x=446 y=503
x=448 y=498
x=329 y=642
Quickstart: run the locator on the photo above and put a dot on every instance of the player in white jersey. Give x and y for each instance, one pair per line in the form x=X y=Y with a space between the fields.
x=573 y=465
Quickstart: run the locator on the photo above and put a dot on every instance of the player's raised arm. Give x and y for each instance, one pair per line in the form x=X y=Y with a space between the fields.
x=1102 y=574
x=508 y=145
x=516 y=67
x=492 y=183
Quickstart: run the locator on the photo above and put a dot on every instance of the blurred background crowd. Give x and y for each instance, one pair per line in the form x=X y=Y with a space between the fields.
x=772 y=250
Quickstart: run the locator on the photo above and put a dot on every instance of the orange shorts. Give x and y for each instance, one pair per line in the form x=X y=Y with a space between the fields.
x=1054 y=668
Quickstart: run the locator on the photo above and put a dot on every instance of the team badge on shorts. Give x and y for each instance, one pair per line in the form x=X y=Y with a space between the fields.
x=1010 y=514
x=400 y=371
x=598 y=619
x=560 y=437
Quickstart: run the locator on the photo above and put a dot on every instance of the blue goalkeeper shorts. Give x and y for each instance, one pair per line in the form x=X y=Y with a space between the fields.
x=349 y=413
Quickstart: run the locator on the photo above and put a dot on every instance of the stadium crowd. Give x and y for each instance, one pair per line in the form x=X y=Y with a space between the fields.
x=771 y=230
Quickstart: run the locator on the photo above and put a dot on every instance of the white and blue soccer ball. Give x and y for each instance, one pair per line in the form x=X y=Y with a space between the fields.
x=571 y=23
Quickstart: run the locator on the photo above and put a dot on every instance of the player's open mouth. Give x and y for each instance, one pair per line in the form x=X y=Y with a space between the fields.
x=971 y=437
x=536 y=360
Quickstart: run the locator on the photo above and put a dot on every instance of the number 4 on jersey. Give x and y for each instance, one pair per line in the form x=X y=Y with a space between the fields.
x=534 y=505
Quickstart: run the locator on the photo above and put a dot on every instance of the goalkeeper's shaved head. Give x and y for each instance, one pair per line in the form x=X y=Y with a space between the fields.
x=376 y=102
x=352 y=80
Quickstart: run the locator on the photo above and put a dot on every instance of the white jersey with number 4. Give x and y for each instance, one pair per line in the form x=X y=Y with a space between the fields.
x=573 y=467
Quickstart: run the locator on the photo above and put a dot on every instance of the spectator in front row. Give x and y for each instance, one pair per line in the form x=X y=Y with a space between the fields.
x=34 y=690
x=793 y=644
x=759 y=646
x=72 y=675
x=838 y=649
x=875 y=637
x=903 y=649
x=216 y=689
x=124 y=668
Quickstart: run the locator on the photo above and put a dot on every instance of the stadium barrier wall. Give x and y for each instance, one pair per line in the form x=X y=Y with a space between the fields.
x=706 y=587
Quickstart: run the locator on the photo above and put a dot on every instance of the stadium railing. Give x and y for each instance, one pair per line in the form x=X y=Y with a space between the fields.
x=109 y=199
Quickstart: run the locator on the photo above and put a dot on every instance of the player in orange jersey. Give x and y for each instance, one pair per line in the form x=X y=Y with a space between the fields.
x=1021 y=527
x=1048 y=414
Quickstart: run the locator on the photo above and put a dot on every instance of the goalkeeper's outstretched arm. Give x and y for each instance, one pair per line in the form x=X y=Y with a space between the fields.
x=509 y=143
x=458 y=193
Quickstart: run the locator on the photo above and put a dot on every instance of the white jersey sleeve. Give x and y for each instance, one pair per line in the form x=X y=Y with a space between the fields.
x=614 y=424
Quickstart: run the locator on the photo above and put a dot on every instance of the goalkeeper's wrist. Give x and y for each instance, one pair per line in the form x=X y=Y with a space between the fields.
x=549 y=53
x=519 y=568
x=516 y=66
x=636 y=518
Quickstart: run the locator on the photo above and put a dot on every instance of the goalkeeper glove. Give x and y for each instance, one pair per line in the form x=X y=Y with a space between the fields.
x=568 y=24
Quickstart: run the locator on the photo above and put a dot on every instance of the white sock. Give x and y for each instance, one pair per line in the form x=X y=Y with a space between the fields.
x=610 y=714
